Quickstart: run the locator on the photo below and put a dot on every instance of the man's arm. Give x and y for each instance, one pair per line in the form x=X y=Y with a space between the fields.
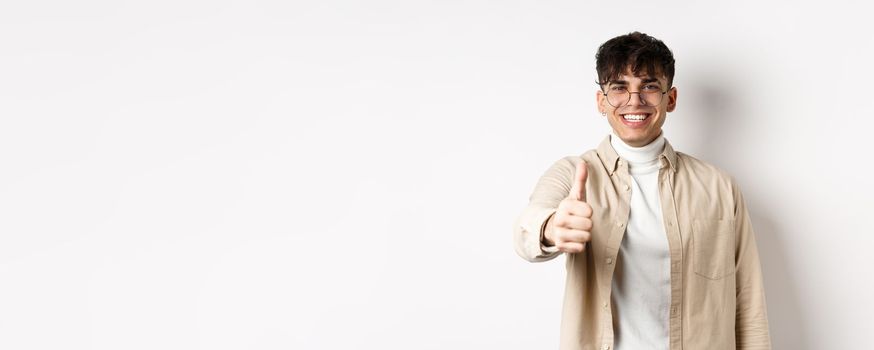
x=751 y=324
x=553 y=186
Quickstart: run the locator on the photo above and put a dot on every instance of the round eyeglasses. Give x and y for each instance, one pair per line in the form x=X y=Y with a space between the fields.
x=618 y=96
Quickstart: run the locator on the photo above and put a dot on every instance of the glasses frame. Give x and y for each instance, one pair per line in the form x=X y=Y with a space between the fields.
x=629 y=98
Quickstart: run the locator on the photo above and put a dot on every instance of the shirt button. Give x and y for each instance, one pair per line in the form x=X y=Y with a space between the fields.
x=609 y=261
x=620 y=224
x=606 y=305
x=627 y=187
x=606 y=347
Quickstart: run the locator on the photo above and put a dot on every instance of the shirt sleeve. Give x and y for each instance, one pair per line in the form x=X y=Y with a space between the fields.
x=553 y=186
x=751 y=324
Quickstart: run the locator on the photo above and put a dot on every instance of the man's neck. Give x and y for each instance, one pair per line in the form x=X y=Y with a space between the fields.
x=645 y=154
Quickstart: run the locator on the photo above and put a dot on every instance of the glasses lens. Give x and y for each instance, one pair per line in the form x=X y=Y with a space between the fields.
x=617 y=98
x=651 y=98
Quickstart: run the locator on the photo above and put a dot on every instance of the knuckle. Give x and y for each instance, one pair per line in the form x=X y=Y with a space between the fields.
x=587 y=210
x=560 y=236
x=580 y=224
x=574 y=236
x=561 y=219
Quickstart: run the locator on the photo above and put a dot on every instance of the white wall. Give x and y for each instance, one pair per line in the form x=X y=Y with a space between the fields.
x=344 y=174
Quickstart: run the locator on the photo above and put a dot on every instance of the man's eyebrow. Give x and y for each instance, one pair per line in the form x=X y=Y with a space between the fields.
x=644 y=81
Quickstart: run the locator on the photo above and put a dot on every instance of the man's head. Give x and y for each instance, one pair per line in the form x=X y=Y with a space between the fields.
x=635 y=75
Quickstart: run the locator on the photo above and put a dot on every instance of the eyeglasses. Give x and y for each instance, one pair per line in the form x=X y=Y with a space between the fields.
x=618 y=96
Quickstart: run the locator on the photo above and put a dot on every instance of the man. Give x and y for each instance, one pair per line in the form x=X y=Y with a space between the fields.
x=660 y=251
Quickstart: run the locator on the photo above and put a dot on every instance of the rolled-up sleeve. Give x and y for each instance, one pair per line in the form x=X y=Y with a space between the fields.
x=553 y=186
x=751 y=325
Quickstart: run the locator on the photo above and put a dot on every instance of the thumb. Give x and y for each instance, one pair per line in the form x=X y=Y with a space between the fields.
x=578 y=190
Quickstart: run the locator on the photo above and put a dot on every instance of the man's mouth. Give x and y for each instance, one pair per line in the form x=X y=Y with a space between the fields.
x=638 y=117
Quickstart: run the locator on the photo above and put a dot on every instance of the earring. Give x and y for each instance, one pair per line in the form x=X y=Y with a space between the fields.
x=604 y=113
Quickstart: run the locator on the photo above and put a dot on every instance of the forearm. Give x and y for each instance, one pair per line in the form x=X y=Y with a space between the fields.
x=547 y=233
x=528 y=230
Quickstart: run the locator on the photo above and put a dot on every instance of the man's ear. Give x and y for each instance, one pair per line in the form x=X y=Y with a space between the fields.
x=672 y=99
x=599 y=98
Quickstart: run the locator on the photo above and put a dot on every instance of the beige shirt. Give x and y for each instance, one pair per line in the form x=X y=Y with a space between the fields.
x=717 y=293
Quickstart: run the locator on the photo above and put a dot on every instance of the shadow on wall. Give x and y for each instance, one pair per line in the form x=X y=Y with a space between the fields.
x=785 y=313
x=726 y=119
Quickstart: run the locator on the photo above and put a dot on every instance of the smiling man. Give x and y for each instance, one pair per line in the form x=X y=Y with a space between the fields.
x=660 y=250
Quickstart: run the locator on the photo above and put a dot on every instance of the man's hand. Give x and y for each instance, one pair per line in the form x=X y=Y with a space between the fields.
x=569 y=229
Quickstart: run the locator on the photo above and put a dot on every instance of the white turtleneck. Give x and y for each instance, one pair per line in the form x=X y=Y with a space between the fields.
x=641 y=294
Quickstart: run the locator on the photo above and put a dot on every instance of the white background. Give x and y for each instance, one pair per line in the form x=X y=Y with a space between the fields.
x=345 y=174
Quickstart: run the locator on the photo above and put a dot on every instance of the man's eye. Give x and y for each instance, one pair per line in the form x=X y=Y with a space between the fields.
x=651 y=87
x=617 y=88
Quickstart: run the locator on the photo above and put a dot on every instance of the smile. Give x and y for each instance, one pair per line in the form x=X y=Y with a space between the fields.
x=635 y=117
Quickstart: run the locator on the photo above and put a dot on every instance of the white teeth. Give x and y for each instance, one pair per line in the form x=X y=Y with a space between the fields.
x=634 y=116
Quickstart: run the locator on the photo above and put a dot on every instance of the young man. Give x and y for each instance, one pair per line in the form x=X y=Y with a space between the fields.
x=660 y=251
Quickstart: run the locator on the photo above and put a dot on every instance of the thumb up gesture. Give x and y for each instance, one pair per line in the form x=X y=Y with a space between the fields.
x=570 y=228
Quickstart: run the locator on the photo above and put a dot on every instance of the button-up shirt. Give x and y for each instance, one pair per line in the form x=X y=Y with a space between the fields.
x=717 y=292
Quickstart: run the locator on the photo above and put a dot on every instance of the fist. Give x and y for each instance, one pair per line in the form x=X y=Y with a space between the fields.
x=570 y=228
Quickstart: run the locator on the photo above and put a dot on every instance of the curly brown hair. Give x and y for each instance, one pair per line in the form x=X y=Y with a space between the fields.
x=641 y=53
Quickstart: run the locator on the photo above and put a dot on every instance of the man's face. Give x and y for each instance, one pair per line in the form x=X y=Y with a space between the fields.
x=639 y=120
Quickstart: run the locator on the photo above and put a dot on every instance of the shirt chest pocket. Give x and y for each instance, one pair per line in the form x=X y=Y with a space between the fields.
x=713 y=248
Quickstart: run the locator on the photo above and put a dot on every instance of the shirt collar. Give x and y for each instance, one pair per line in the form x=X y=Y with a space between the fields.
x=610 y=158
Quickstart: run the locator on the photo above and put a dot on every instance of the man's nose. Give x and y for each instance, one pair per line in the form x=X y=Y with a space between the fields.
x=635 y=99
